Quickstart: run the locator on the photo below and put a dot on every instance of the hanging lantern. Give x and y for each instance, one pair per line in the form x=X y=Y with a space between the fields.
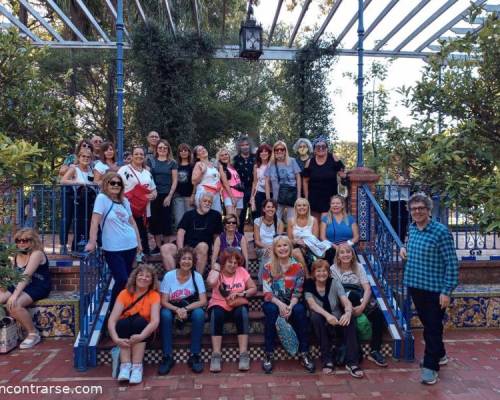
x=250 y=37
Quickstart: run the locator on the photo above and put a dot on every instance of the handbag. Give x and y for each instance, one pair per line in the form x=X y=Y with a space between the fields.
x=287 y=336
x=182 y=303
x=287 y=194
x=138 y=198
x=9 y=334
x=225 y=291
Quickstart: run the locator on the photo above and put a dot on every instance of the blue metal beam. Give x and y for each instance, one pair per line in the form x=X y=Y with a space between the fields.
x=351 y=23
x=450 y=24
x=327 y=20
x=66 y=20
x=360 y=96
x=299 y=22
x=170 y=19
x=19 y=24
x=113 y=13
x=275 y=20
x=403 y=22
x=119 y=80
x=44 y=23
x=425 y=24
x=387 y=9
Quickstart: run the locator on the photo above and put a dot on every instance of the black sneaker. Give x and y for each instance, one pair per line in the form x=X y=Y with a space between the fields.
x=195 y=363
x=155 y=251
x=267 y=363
x=166 y=365
x=307 y=363
x=376 y=357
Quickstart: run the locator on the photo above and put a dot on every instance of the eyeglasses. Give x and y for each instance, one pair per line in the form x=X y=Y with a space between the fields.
x=279 y=150
x=320 y=146
x=85 y=157
x=418 y=209
x=85 y=145
x=115 y=183
x=230 y=222
x=22 y=240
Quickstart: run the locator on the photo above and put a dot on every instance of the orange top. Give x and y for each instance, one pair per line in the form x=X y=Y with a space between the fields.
x=143 y=306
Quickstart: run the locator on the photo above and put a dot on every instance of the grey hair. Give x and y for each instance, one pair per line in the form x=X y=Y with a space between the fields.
x=241 y=139
x=420 y=197
x=307 y=142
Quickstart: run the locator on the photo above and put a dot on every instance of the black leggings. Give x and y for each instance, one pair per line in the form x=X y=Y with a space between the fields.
x=129 y=326
x=238 y=315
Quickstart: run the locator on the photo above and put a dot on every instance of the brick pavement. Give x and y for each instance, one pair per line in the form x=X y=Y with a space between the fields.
x=473 y=373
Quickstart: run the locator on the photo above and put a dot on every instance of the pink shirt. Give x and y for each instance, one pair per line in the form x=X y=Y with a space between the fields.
x=235 y=283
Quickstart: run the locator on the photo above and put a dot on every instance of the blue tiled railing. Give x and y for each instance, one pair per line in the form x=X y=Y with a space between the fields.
x=382 y=254
x=466 y=231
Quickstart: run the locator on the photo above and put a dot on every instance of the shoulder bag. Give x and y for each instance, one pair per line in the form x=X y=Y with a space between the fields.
x=138 y=197
x=287 y=194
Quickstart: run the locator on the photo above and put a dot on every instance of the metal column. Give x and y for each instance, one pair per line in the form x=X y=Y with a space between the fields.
x=361 y=34
x=119 y=80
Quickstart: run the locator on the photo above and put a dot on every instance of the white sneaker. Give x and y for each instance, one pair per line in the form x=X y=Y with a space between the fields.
x=136 y=374
x=124 y=374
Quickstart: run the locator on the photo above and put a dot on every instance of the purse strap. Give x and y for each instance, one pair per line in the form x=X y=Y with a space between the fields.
x=136 y=177
x=277 y=171
x=135 y=302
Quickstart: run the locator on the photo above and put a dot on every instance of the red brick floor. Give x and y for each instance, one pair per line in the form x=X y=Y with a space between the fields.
x=473 y=373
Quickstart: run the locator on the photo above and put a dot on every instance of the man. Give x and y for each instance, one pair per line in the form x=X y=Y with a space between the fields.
x=198 y=229
x=153 y=138
x=96 y=143
x=243 y=163
x=431 y=274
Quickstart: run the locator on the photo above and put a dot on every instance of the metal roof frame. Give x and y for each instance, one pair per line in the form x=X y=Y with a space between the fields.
x=379 y=49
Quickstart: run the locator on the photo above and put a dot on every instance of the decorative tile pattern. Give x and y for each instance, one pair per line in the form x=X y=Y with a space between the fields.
x=57 y=315
x=364 y=219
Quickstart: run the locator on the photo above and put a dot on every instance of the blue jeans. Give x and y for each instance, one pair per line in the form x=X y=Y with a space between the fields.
x=120 y=264
x=298 y=319
x=197 y=318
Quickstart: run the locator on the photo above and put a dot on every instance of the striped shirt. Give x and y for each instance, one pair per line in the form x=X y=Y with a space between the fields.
x=432 y=260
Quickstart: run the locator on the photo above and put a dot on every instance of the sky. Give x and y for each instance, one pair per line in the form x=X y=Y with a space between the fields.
x=402 y=71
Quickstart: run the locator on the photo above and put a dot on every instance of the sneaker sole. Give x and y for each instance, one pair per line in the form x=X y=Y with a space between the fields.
x=433 y=382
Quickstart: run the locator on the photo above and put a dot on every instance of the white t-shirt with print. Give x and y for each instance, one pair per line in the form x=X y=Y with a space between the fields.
x=177 y=291
x=350 y=277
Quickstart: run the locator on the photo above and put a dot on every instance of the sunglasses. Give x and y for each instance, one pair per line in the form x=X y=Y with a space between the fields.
x=230 y=222
x=85 y=145
x=320 y=146
x=115 y=183
x=22 y=240
x=280 y=150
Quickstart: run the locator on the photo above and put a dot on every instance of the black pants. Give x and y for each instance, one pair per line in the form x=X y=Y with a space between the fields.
x=326 y=335
x=431 y=314
x=376 y=318
x=238 y=315
x=132 y=325
x=330 y=255
x=243 y=215
x=84 y=201
x=143 y=233
x=259 y=200
x=160 y=222
x=67 y=212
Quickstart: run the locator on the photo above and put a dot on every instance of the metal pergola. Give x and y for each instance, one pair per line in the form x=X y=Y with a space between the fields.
x=45 y=33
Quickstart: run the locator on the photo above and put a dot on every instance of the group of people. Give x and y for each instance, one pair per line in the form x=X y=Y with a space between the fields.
x=303 y=235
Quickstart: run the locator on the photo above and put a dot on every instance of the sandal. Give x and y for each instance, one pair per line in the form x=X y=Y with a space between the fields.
x=31 y=340
x=328 y=368
x=355 y=371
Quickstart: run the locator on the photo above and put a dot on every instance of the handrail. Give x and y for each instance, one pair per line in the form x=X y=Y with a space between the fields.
x=382 y=254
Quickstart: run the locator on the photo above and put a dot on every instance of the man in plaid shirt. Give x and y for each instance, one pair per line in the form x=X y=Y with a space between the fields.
x=431 y=274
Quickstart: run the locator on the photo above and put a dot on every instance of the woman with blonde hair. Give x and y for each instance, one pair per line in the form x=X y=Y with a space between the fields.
x=283 y=281
x=303 y=232
x=120 y=236
x=337 y=226
x=283 y=179
x=135 y=316
x=31 y=260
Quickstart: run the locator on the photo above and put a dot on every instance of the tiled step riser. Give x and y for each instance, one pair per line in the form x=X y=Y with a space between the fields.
x=229 y=354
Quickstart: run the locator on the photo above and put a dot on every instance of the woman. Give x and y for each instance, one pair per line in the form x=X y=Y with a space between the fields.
x=206 y=177
x=140 y=189
x=79 y=198
x=265 y=228
x=184 y=196
x=337 y=226
x=106 y=162
x=349 y=272
x=231 y=287
x=183 y=297
x=32 y=262
x=262 y=158
x=320 y=177
x=135 y=316
x=303 y=231
x=326 y=298
x=73 y=158
x=283 y=180
x=164 y=170
x=230 y=237
x=232 y=188
x=119 y=233
x=283 y=281
x=303 y=148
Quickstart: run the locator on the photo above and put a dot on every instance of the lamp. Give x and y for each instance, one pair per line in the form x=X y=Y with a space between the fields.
x=250 y=36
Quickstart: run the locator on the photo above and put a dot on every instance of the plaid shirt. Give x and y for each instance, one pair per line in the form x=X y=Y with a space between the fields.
x=432 y=260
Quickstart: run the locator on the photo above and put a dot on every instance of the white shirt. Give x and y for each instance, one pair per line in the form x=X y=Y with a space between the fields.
x=101 y=167
x=177 y=291
x=266 y=232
